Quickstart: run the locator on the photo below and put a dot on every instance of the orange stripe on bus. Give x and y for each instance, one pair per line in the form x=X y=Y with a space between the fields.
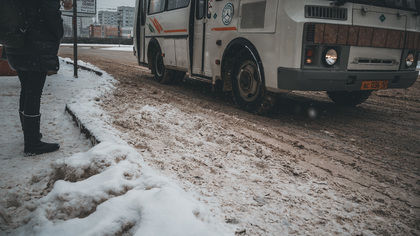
x=224 y=29
x=175 y=31
x=156 y=24
x=161 y=29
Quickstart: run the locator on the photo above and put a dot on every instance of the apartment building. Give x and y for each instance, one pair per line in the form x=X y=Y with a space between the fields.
x=108 y=18
x=126 y=16
x=110 y=24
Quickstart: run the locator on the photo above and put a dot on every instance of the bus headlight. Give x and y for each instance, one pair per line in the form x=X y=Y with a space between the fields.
x=409 y=61
x=331 y=57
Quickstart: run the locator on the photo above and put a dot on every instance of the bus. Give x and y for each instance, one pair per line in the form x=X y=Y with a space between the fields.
x=259 y=48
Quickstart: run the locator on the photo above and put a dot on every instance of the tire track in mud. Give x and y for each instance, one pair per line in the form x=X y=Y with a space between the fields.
x=358 y=172
x=342 y=167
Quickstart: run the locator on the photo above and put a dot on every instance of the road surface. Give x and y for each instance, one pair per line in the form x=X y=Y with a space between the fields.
x=311 y=167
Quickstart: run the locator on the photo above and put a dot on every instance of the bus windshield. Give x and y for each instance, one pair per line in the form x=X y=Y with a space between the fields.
x=410 y=5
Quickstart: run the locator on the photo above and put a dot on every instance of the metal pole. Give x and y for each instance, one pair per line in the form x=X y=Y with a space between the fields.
x=119 y=33
x=75 y=37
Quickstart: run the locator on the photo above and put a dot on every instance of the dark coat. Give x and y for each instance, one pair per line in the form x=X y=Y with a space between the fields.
x=42 y=38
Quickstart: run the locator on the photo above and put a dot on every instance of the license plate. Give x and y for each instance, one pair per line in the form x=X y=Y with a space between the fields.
x=372 y=85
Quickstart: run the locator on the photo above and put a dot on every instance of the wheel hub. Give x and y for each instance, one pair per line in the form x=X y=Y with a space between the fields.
x=248 y=82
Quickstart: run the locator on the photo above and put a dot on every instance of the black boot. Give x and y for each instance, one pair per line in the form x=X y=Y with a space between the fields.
x=22 y=125
x=33 y=144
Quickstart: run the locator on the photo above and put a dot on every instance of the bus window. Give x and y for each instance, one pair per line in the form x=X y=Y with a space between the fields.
x=200 y=9
x=156 y=6
x=175 y=4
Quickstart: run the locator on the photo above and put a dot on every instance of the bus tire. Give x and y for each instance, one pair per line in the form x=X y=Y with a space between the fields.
x=162 y=75
x=248 y=88
x=349 y=99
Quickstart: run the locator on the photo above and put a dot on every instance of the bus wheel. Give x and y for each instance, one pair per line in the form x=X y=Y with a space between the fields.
x=248 y=89
x=162 y=75
x=350 y=99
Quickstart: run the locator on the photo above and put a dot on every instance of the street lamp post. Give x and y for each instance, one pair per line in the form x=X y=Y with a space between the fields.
x=119 y=33
x=75 y=38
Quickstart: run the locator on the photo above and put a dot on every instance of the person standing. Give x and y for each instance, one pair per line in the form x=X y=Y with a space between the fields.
x=32 y=61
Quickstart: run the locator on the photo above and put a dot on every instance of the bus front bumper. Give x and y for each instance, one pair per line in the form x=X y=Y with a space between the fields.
x=321 y=80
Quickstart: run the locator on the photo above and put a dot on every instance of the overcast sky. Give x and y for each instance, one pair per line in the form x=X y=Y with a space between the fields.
x=104 y=5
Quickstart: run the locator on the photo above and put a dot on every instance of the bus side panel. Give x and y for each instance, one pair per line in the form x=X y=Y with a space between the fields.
x=262 y=35
x=182 y=55
x=219 y=28
x=170 y=28
x=267 y=46
x=169 y=50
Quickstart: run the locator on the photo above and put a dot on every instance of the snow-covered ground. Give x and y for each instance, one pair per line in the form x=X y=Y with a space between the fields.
x=107 y=189
x=418 y=67
x=110 y=190
x=111 y=47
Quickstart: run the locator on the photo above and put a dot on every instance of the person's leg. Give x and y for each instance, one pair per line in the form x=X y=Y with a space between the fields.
x=23 y=76
x=37 y=81
x=34 y=85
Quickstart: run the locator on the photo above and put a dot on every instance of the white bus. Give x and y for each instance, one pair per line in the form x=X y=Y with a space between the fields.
x=255 y=48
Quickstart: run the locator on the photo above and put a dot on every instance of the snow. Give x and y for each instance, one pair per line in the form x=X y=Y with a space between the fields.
x=418 y=67
x=127 y=48
x=111 y=47
x=94 y=45
x=107 y=189
x=112 y=188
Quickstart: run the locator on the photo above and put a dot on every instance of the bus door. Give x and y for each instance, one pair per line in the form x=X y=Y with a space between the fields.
x=202 y=15
x=140 y=30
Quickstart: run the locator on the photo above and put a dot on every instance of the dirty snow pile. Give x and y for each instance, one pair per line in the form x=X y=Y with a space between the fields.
x=105 y=190
x=109 y=190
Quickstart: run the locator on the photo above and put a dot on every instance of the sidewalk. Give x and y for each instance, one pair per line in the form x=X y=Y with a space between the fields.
x=80 y=189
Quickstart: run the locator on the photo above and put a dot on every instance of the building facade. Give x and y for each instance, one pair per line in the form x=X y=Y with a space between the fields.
x=126 y=16
x=108 y=18
x=103 y=31
x=83 y=24
x=110 y=24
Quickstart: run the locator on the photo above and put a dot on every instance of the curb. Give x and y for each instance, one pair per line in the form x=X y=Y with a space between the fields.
x=89 y=135
x=85 y=68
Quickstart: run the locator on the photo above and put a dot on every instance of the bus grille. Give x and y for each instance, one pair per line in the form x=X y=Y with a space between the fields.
x=372 y=61
x=322 y=12
x=331 y=34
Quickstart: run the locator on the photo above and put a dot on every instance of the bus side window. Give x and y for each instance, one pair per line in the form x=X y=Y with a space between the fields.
x=156 y=6
x=200 y=9
x=175 y=4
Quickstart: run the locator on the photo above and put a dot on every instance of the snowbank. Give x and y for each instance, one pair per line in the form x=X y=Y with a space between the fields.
x=109 y=190
x=105 y=190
